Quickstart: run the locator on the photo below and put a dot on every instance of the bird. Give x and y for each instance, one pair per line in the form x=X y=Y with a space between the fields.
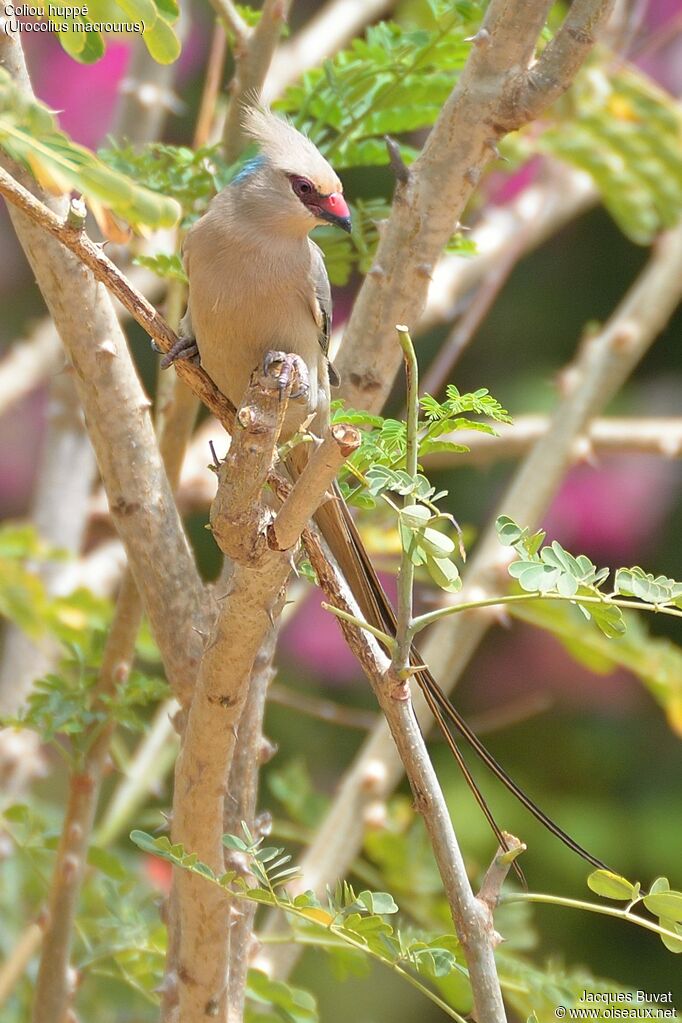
x=257 y=282
x=259 y=289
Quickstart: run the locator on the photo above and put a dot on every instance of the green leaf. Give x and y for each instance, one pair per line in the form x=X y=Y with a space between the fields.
x=635 y=582
x=378 y=902
x=162 y=42
x=292 y=786
x=437 y=544
x=413 y=516
x=445 y=574
x=612 y=886
x=619 y=127
x=665 y=904
x=29 y=134
x=168 y=267
x=672 y=944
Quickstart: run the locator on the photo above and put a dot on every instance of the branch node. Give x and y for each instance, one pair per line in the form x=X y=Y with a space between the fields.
x=75 y=218
x=482 y=38
x=496 y=874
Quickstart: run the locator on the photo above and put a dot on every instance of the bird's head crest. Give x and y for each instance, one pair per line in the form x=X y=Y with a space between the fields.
x=313 y=189
x=288 y=150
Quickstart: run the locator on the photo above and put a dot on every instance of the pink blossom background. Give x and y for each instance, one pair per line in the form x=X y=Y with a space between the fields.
x=614 y=511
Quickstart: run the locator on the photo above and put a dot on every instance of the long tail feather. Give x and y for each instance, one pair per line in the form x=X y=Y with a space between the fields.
x=339 y=530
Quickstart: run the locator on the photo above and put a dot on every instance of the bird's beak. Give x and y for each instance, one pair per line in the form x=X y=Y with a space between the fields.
x=334 y=209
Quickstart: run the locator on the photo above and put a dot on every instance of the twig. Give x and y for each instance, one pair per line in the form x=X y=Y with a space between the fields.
x=152 y=759
x=211 y=90
x=323 y=710
x=146 y=98
x=240 y=526
x=496 y=874
x=233 y=21
x=22 y=952
x=483 y=106
x=591 y=907
x=52 y=986
x=29 y=363
x=600 y=371
x=108 y=273
x=251 y=66
x=472 y=918
x=403 y=636
x=658 y=435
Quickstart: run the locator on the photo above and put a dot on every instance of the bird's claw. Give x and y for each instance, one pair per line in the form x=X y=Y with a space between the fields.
x=185 y=348
x=290 y=365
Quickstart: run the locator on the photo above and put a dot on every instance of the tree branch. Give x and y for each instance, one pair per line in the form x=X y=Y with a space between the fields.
x=559 y=62
x=471 y=917
x=251 y=67
x=601 y=368
x=658 y=435
x=327 y=31
x=117 y=411
x=244 y=530
x=233 y=22
x=481 y=109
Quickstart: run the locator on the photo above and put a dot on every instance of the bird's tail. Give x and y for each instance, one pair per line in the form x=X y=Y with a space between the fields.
x=336 y=524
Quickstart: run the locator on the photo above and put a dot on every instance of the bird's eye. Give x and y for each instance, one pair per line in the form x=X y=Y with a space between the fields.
x=302 y=186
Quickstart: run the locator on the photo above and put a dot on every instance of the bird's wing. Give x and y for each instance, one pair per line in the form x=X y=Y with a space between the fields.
x=323 y=294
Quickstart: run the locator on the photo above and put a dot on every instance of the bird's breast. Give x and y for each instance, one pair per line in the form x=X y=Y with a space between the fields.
x=244 y=304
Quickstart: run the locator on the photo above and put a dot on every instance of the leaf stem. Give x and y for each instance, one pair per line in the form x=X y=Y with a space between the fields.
x=510 y=598
x=404 y=622
x=591 y=907
x=383 y=637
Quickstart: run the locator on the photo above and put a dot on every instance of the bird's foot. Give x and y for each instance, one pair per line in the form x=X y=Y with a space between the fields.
x=290 y=365
x=184 y=348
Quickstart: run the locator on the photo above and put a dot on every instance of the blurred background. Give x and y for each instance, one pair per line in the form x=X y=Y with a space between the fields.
x=593 y=748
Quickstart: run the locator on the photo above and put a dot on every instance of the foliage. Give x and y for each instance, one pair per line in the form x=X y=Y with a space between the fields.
x=30 y=135
x=552 y=571
x=661 y=901
x=346 y=919
x=626 y=132
x=656 y=661
x=393 y=81
x=24 y=599
x=68 y=703
x=83 y=34
x=191 y=177
x=377 y=470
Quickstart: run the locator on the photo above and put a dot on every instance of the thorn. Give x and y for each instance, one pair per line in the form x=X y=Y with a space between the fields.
x=395 y=160
x=107 y=348
x=482 y=38
x=215 y=465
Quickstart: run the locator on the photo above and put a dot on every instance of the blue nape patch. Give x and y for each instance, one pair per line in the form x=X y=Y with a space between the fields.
x=248 y=169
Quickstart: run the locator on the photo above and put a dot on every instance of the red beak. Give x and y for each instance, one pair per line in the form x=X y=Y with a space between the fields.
x=334 y=208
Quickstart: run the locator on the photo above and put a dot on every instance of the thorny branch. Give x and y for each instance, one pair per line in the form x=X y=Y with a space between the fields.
x=484 y=105
x=247 y=533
